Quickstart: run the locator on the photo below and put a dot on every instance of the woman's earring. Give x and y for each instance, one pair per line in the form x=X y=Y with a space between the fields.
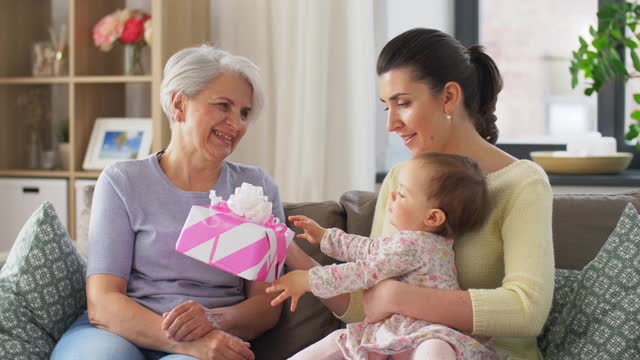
x=448 y=116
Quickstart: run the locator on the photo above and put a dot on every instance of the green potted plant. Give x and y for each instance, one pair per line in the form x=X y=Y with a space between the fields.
x=601 y=59
x=63 y=144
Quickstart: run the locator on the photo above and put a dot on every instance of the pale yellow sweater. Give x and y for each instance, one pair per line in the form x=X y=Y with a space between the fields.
x=507 y=265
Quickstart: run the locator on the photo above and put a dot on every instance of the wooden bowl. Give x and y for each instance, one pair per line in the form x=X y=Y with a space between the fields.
x=559 y=162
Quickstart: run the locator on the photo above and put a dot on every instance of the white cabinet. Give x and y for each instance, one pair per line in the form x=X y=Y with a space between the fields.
x=20 y=197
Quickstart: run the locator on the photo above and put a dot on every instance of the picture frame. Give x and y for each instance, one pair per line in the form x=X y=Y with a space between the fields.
x=117 y=139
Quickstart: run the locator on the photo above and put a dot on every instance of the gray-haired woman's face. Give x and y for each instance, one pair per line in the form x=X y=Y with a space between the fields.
x=217 y=118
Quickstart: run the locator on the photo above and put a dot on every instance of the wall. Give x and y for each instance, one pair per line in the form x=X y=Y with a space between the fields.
x=393 y=17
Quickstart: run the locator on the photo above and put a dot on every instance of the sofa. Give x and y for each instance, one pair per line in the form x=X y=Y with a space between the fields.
x=581 y=225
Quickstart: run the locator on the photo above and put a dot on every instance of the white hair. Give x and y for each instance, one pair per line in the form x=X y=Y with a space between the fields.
x=190 y=70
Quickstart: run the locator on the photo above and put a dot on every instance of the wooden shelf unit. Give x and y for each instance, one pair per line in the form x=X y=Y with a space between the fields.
x=35 y=173
x=94 y=86
x=34 y=80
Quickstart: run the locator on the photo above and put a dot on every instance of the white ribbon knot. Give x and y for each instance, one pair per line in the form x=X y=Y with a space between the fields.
x=249 y=202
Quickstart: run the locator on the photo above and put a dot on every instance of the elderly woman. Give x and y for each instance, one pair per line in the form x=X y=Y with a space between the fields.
x=144 y=299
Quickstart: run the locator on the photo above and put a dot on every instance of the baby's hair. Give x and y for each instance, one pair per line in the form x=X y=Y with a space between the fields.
x=458 y=187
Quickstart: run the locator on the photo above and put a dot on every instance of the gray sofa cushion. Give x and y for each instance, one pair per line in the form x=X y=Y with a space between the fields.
x=359 y=207
x=563 y=288
x=328 y=214
x=41 y=288
x=582 y=223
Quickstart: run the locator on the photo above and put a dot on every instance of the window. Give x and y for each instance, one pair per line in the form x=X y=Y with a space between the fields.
x=532 y=47
x=632 y=87
x=531 y=43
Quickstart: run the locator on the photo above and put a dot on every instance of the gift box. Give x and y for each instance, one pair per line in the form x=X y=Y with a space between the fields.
x=239 y=236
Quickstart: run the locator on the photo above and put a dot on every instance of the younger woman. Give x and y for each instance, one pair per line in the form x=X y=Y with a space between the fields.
x=438 y=196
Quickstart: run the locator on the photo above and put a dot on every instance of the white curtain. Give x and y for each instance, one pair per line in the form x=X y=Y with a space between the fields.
x=316 y=135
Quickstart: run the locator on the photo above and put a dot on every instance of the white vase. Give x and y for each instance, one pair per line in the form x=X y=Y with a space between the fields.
x=64 y=153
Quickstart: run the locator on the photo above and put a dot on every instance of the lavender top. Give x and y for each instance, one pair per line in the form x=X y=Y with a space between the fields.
x=136 y=218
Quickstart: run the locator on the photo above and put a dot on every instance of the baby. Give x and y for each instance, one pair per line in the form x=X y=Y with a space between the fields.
x=439 y=196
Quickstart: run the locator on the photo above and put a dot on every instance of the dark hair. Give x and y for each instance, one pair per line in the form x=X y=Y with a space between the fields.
x=459 y=188
x=437 y=58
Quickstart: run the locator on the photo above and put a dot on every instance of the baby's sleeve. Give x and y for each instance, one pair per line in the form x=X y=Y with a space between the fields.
x=395 y=256
x=346 y=247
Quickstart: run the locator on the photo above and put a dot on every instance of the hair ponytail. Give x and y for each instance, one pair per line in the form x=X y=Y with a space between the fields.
x=489 y=85
x=436 y=58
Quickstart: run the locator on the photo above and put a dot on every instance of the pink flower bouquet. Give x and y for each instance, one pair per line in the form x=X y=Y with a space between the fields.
x=127 y=26
x=239 y=236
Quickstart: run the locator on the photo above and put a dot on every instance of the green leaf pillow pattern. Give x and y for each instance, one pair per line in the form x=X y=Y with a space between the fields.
x=41 y=288
x=602 y=318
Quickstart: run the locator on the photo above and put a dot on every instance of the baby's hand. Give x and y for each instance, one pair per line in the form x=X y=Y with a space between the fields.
x=313 y=232
x=294 y=285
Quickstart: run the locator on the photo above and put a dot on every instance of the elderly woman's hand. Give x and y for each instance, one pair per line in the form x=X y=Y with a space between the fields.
x=379 y=301
x=218 y=344
x=188 y=321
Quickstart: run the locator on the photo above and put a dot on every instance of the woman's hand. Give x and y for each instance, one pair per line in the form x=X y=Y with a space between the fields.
x=313 y=232
x=188 y=321
x=380 y=301
x=217 y=344
x=294 y=285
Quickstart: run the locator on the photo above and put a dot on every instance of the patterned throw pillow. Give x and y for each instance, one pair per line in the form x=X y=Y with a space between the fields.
x=564 y=286
x=41 y=288
x=601 y=320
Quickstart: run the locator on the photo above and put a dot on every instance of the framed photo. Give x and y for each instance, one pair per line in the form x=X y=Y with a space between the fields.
x=117 y=139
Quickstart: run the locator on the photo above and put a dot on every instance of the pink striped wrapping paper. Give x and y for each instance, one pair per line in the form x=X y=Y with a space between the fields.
x=220 y=238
